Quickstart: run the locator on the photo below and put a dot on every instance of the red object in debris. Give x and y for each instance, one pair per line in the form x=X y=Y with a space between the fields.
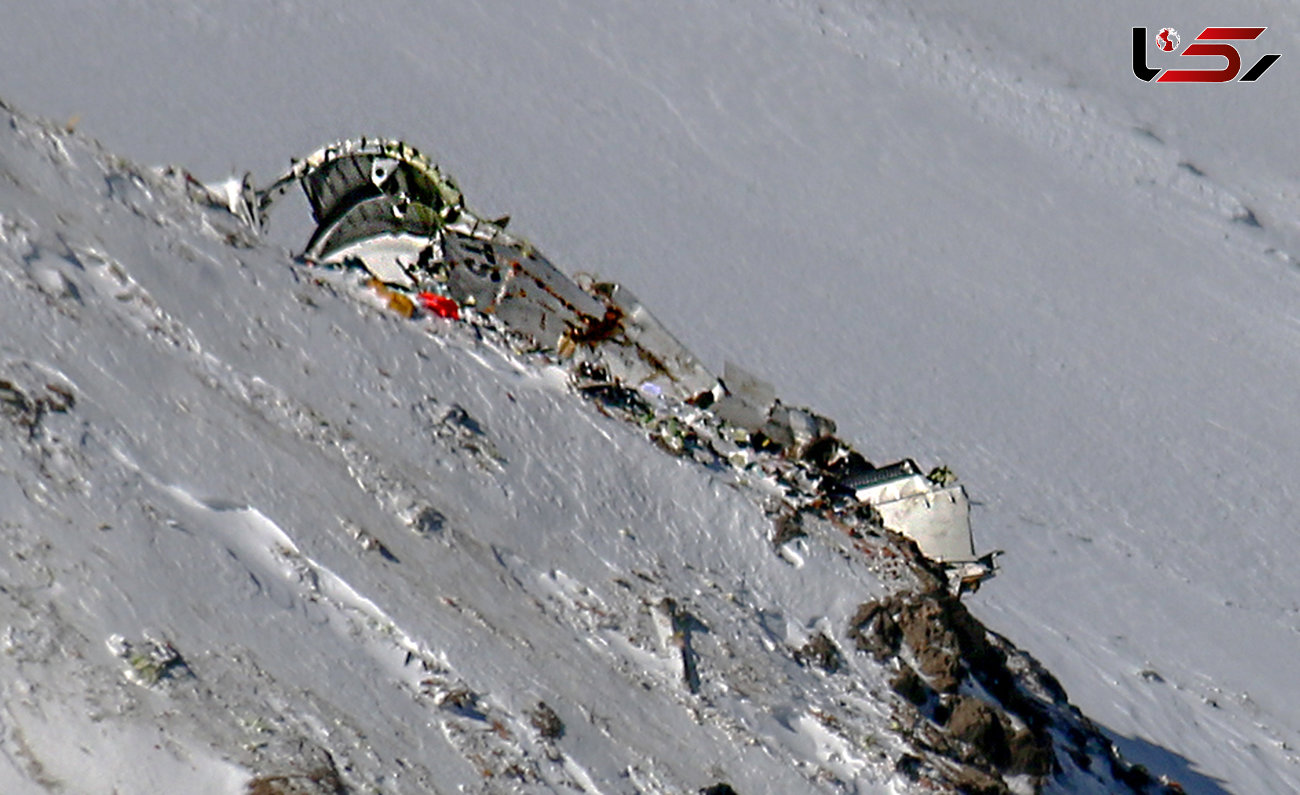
x=440 y=305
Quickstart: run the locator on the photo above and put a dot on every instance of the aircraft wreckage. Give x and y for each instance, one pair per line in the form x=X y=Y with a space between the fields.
x=382 y=207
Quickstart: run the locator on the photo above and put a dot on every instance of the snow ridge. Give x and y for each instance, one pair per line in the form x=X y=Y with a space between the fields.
x=265 y=536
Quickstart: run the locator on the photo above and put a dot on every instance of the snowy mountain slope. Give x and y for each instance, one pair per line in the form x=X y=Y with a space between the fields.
x=1145 y=322
x=1169 y=331
x=263 y=534
x=192 y=440
x=967 y=234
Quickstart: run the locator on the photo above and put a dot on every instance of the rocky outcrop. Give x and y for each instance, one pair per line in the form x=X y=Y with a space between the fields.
x=985 y=711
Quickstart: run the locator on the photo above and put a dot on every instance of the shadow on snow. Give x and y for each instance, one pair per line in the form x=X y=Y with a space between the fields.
x=1160 y=761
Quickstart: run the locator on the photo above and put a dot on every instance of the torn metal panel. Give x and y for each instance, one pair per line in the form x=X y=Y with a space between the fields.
x=936 y=516
x=337 y=177
x=748 y=401
x=645 y=352
x=383 y=206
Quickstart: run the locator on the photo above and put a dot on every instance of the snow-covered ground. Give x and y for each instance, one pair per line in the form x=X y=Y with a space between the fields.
x=967 y=234
x=267 y=536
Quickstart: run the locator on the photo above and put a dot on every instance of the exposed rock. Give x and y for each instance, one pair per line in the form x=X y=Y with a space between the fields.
x=546 y=722
x=786 y=527
x=979 y=725
x=822 y=652
x=874 y=629
x=1031 y=753
x=909 y=685
x=319 y=775
x=933 y=642
x=910 y=766
x=946 y=647
x=974 y=781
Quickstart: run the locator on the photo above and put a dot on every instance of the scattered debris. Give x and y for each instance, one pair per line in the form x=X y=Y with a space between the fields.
x=684 y=625
x=26 y=404
x=737 y=426
x=425 y=520
x=323 y=779
x=385 y=209
x=822 y=652
x=462 y=701
x=151 y=660
x=546 y=722
x=1247 y=217
x=369 y=543
x=787 y=526
x=439 y=305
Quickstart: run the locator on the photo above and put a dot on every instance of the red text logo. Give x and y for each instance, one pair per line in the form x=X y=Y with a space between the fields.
x=1211 y=41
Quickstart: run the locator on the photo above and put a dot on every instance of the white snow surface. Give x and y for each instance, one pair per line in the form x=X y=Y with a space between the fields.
x=383 y=539
x=967 y=233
